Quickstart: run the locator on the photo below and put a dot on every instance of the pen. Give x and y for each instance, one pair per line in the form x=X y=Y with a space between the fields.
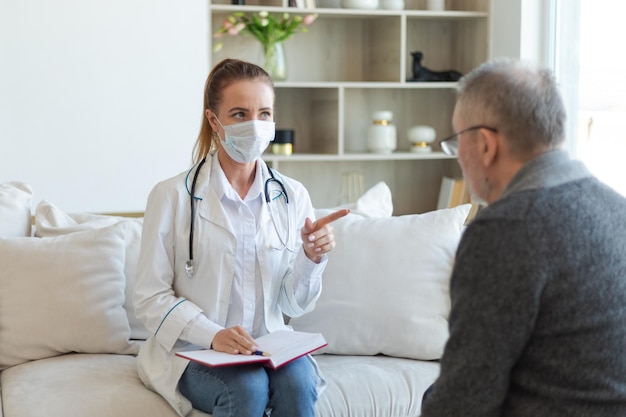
x=260 y=353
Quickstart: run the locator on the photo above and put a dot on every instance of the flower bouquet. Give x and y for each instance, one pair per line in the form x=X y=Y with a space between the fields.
x=270 y=30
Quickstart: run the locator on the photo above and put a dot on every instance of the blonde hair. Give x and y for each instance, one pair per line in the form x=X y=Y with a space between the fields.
x=222 y=75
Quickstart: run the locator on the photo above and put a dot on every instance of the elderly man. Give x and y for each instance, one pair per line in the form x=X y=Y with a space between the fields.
x=538 y=290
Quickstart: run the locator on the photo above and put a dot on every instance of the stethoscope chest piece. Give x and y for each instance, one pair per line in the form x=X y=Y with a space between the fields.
x=189 y=269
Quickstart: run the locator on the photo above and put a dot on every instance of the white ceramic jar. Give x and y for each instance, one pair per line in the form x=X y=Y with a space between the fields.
x=421 y=138
x=436 y=5
x=381 y=135
x=359 y=4
x=392 y=4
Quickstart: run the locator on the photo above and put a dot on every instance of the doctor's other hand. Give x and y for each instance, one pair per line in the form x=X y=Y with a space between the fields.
x=235 y=340
x=317 y=236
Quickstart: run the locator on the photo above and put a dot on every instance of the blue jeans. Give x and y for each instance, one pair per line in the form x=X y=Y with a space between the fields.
x=248 y=390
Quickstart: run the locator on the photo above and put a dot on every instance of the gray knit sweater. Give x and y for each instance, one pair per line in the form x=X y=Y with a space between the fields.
x=538 y=291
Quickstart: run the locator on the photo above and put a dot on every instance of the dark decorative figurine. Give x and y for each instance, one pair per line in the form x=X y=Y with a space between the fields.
x=421 y=73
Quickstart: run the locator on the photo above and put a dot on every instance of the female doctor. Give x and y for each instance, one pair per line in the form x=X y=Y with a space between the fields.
x=228 y=248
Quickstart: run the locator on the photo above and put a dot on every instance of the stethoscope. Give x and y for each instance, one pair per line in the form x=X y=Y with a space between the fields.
x=189 y=265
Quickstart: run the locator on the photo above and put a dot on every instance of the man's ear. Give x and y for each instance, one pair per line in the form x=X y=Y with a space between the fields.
x=491 y=146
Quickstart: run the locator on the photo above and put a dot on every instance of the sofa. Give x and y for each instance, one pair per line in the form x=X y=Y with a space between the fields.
x=69 y=336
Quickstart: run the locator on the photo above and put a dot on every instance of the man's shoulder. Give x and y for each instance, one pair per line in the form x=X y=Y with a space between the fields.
x=552 y=200
x=563 y=209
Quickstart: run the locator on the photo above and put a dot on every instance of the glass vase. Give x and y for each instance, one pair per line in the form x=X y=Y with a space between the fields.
x=275 y=61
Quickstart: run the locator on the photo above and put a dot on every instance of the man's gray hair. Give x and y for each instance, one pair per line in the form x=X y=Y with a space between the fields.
x=521 y=101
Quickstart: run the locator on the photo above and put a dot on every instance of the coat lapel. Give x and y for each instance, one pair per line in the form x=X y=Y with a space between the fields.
x=210 y=207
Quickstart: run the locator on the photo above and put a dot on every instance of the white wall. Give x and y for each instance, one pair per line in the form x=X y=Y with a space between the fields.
x=519 y=29
x=99 y=100
x=505 y=19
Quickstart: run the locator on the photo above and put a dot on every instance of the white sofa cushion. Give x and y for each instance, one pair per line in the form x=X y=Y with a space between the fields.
x=51 y=221
x=77 y=385
x=373 y=386
x=385 y=288
x=63 y=294
x=15 y=210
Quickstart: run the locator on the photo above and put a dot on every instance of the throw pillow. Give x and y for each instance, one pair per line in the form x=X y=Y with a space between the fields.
x=385 y=288
x=63 y=294
x=51 y=221
x=375 y=202
x=15 y=215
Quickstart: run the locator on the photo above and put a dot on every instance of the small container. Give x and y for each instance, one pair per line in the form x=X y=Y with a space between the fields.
x=283 y=142
x=381 y=135
x=421 y=138
x=359 y=4
x=392 y=4
x=436 y=5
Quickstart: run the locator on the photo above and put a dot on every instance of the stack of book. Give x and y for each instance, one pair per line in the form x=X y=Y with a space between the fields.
x=454 y=192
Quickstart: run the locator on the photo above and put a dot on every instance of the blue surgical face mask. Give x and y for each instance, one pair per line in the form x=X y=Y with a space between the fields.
x=246 y=141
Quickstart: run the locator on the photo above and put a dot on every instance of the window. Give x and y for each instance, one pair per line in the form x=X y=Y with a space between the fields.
x=591 y=68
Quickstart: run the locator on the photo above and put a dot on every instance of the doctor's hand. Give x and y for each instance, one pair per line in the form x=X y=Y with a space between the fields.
x=317 y=237
x=235 y=340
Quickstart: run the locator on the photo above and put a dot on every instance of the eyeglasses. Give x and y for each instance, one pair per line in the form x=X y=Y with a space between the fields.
x=450 y=145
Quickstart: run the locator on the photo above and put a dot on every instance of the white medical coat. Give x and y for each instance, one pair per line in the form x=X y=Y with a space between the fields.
x=166 y=300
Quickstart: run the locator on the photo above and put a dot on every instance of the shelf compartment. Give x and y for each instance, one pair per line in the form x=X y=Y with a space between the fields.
x=348 y=48
x=313 y=114
x=446 y=44
x=343 y=48
x=410 y=107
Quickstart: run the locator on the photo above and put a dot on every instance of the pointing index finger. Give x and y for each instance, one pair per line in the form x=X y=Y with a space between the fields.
x=330 y=218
